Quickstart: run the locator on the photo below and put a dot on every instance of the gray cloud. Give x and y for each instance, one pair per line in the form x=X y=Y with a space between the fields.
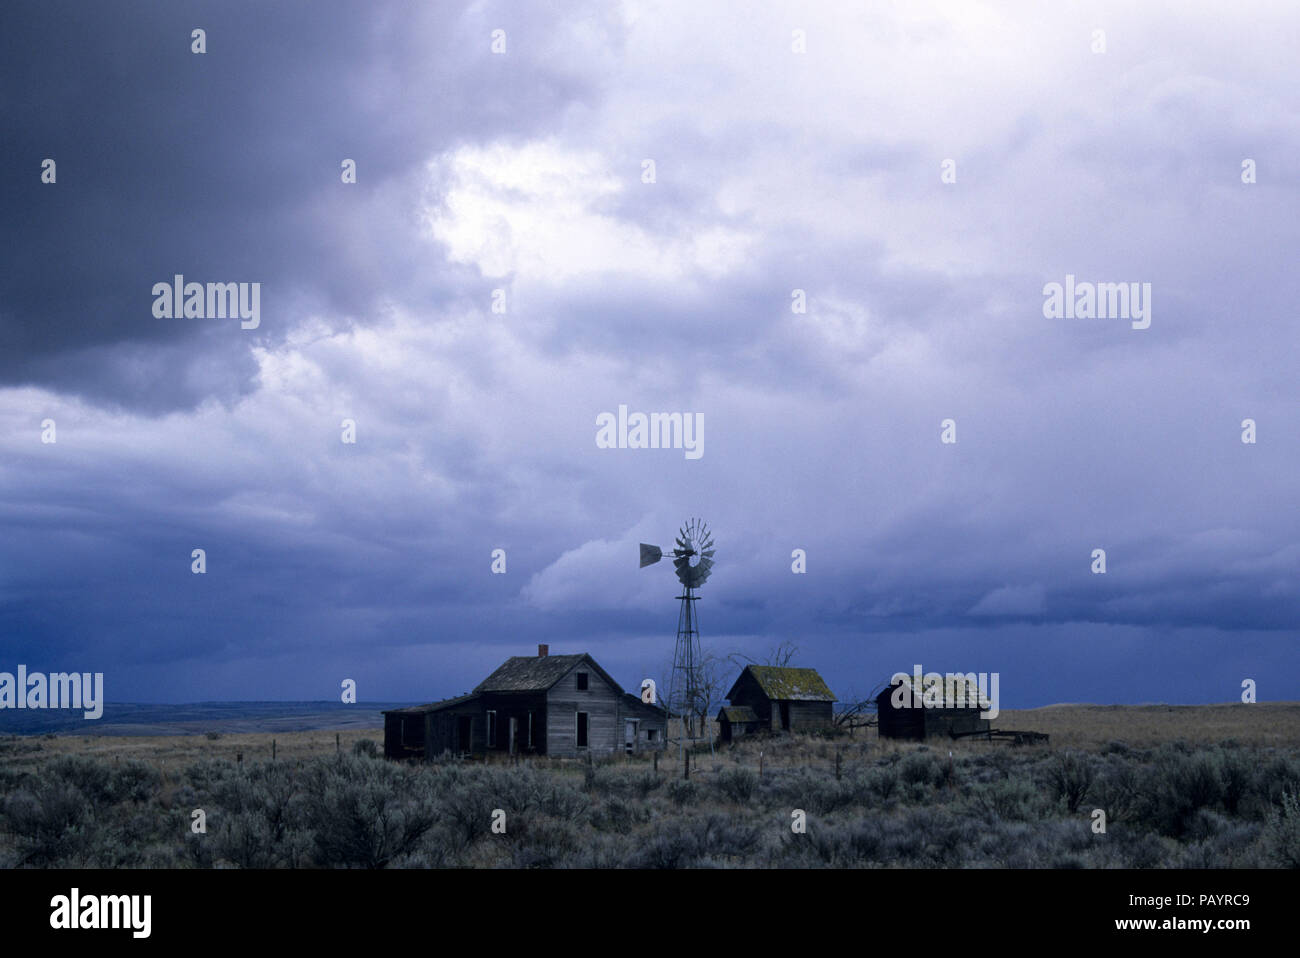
x=476 y=429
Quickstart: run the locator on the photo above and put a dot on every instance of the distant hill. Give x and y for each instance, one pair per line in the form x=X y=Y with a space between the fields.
x=195 y=719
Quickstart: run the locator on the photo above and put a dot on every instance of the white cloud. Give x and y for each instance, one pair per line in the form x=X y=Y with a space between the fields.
x=537 y=211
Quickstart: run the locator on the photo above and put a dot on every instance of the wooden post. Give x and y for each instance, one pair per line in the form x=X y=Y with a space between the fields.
x=837 y=765
x=239 y=758
x=273 y=750
x=686 y=766
x=656 y=761
x=338 y=745
x=760 y=763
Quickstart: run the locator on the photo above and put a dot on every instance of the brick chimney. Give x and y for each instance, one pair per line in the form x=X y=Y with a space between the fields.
x=542 y=650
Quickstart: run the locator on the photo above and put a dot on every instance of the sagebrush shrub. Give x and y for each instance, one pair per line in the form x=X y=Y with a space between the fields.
x=1282 y=834
x=1070 y=777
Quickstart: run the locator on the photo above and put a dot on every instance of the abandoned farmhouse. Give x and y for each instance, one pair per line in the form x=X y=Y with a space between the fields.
x=560 y=705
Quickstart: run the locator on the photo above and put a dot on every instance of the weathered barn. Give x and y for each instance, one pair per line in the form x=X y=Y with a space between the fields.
x=783 y=698
x=735 y=721
x=942 y=706
x=560 y=705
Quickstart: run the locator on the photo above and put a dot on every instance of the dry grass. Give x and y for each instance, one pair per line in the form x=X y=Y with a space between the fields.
x=1084 y=726
x=173 y=752
x=1074 y=726
x=1177 y=797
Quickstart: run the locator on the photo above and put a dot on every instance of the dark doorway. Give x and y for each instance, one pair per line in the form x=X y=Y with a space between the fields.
x=785 y=716
x=463 y=726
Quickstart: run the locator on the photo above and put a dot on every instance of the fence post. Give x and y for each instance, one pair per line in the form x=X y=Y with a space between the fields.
x=837 y=765
x=760 y=763
x=273 y=750
x=656 y=761
x=338 y=746
x=687 y=767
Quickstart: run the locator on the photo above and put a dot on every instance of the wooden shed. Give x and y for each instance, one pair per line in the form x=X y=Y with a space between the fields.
x=560 y=705
x=941 y=705
x=784 y=699
x=735 y=721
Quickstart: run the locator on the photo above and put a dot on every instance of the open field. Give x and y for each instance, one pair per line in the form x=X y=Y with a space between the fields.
x=173 y=752
x=1090 y=726
x=1199 y=786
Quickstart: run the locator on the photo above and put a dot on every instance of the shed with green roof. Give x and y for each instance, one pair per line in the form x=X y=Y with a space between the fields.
x=783 y=698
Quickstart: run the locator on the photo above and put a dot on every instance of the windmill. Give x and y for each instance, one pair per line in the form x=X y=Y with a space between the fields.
x=693 y=560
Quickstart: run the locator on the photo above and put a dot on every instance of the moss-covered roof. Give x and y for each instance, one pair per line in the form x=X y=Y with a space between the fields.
x=953 y=690
x=737 y=714
x=784 y=684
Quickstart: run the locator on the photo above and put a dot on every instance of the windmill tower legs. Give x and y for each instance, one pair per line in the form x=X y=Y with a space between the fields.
x=684 y=683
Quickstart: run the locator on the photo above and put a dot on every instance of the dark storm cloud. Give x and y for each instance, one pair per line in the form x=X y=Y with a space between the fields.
x=225 y=166
x=476 y=429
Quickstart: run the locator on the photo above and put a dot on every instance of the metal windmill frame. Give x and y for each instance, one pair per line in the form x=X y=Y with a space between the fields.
x=693 y=561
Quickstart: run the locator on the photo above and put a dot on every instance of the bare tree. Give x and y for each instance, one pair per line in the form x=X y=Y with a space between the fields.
x=782 y=654
x=713 y=674
x=856 y=711
x=779 y=655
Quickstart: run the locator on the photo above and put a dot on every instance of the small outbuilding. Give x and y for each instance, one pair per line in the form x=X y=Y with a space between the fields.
x=783 y=698
x=735 y=721
x=935 y=706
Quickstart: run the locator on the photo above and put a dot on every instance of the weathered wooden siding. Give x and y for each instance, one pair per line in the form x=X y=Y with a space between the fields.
x=919 y=723
x=749 y=692
x=729 y=730
x=943 y=722
x=808 y=716
x=404 y=735
x=444 y=729
x=600 y=701
x=648 y=717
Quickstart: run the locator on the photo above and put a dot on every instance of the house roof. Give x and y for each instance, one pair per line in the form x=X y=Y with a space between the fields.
x=781 y=683
x=634 y=701
x=537 y=673
x=432 y=706
x=737 y=714
x=957 y=691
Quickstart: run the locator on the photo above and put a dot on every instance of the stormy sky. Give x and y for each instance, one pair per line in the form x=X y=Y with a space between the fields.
x=794 y=147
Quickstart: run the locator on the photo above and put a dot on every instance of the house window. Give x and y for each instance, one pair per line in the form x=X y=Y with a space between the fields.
x=492 y=729
x=650 y=734
x=582 y=681
x=582 y=730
